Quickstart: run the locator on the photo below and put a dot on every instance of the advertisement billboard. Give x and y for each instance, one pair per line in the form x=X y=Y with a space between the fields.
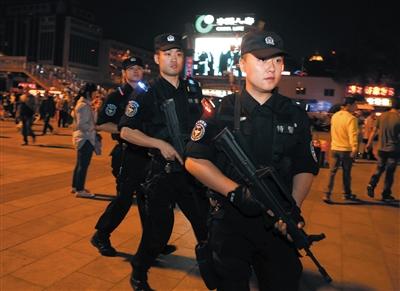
x=217 y=56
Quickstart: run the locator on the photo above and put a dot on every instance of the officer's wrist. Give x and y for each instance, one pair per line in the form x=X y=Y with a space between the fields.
x=234 y=195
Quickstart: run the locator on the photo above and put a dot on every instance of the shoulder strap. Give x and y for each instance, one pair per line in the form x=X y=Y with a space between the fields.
x=237 y=110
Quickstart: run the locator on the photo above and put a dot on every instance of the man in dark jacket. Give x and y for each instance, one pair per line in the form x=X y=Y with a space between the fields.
x=47 y=110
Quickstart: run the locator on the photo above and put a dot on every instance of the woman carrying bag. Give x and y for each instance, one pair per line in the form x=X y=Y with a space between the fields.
x=83 y=139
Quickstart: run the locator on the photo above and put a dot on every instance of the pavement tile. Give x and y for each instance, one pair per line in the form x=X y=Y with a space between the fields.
x=79 y=281
x=111 y=269
x=6 y=208
x=390 y=243
x=34 y=200
x=358 y=232
x=363 y=250
x=130 y=245
x=42 y=209
x=192 y=281
x=328 y=218
x=53 y=268
x=122 y=285
x=176 y=265
x=393 y=262
x=11 y=261
x=7 y=221
x=187 y=240
x=46 y=244
x=161 y=282
x=356 y=218
x=9 y=283
x=77 y=213
x=82 y=227
x=38 y=227
x=9 y=239
x=328 y=253
x=366 y=273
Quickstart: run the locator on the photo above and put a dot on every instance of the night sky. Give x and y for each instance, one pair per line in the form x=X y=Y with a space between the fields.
x=305 y=26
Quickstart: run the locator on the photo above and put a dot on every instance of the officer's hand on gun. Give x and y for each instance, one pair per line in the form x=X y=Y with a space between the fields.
x=282 y=227
x=168 y=152
x=243 y=200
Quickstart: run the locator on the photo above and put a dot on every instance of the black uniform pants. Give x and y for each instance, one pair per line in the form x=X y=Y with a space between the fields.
x=239 y=243
x=133 y=172
x=386 y=161
x=160 y=198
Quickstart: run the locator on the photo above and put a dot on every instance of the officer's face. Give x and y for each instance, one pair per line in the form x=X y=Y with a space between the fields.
x=170 y=61
x=262 y=76
x=133 y=74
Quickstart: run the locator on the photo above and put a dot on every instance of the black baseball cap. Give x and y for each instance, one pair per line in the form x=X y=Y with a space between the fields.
x=262 y=44
x=132 y=61
x=167 y=41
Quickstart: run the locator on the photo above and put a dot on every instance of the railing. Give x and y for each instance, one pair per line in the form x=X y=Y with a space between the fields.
x=47 y=76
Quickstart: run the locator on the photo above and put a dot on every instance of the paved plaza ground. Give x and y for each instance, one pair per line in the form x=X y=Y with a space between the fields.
x=45 y=230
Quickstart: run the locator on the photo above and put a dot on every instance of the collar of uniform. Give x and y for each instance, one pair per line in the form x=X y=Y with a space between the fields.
x=127 y=89
x=171 y=87
x=249 y=103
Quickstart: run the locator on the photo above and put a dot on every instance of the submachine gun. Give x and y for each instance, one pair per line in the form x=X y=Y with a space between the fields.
x=174 y=132
x=255 y=178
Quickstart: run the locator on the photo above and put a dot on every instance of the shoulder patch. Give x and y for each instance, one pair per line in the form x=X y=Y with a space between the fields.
x=199 y=130
x=111 y=109
x=314 y=155
x=131 y=108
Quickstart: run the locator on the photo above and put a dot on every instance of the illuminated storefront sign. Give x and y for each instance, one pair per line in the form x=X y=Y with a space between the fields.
x=354 y=89
x=379 y=91
x=374 y=91
x=210 y=23
x=385 y=102
x=374 y=95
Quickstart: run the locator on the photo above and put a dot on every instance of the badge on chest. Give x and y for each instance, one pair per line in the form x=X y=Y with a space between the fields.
x=286 y=128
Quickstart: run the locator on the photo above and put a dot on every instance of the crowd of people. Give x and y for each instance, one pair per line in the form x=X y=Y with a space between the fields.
x=26 y=106
x=166 y=155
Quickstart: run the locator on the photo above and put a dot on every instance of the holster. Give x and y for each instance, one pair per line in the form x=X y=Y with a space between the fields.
x=205 y=261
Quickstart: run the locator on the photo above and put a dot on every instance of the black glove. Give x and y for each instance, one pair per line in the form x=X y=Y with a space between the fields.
x=242 y=199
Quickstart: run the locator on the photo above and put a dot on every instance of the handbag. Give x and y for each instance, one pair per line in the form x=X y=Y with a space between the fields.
x=98 y=144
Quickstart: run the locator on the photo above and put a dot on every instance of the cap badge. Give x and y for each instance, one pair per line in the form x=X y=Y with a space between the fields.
x=170 y=38
x=133 y=59
x=269 y=40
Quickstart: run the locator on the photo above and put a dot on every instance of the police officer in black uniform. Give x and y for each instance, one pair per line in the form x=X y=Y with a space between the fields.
x=127 y=160
x=274 y=132
x=144 y=124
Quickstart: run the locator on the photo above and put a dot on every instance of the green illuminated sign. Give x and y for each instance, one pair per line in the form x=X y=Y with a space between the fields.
x=203 y=23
